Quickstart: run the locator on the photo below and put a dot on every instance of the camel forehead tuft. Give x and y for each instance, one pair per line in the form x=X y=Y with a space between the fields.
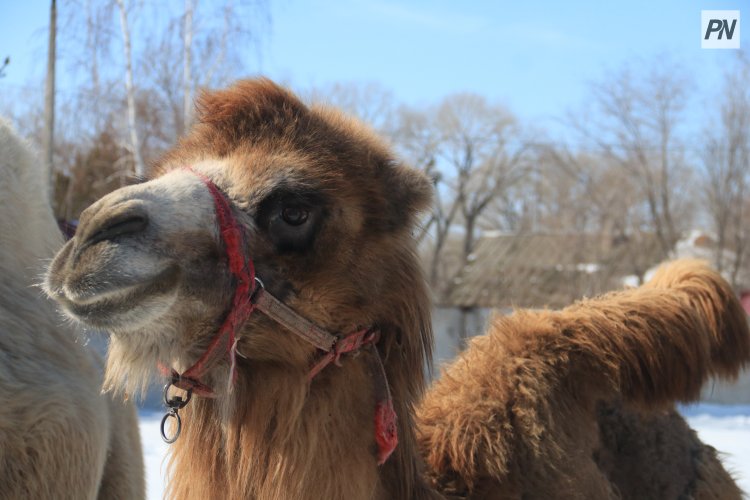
x=261 y=114
x=250 y=103
x=266 y=132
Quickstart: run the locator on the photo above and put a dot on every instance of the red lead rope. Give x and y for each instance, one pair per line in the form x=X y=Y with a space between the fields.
x=246 y=299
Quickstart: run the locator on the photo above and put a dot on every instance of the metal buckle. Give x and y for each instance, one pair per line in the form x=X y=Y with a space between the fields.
x=175 y=404
x=258 y=287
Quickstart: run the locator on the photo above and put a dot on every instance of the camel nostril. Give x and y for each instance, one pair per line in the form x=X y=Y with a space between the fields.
x=119 y=226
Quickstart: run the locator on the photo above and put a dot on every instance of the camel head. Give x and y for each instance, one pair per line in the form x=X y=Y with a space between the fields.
x=327 y=215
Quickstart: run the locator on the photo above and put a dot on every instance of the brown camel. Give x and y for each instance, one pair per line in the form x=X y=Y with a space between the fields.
x=569 y=404
x=60 y=438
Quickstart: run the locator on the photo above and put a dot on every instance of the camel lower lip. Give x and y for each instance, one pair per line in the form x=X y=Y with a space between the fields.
x=99 y=297
x=100 y=310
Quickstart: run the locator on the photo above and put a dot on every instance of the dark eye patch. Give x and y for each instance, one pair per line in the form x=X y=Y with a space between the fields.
x=273 y=216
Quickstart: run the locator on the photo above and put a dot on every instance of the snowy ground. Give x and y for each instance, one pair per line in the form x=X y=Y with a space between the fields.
x=727 y=428
x=154 y=451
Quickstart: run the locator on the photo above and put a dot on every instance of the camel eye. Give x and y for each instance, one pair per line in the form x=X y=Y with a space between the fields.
x=294 y=216
x=291 y=218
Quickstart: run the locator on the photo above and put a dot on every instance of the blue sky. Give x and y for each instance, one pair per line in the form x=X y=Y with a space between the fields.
x=536 y=57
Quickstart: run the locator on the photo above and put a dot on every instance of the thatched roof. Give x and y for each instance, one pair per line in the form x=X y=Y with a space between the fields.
x=546 y=270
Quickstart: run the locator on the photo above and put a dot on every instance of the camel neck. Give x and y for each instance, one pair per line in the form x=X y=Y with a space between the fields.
x=286 y=439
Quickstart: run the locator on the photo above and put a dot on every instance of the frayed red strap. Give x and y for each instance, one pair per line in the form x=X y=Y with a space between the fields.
x=385 y=421
x=350 y=343
x=386 y=430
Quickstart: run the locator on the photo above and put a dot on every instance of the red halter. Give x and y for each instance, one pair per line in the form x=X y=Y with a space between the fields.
x=250 y=294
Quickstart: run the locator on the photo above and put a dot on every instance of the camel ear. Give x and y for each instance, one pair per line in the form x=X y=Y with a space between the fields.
x=408 y=192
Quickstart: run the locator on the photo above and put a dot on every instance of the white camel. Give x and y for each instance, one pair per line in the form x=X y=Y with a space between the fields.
x=59 y=436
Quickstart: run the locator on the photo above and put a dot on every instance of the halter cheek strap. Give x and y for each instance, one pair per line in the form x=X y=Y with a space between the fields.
x=243 y=271
x=249 y=295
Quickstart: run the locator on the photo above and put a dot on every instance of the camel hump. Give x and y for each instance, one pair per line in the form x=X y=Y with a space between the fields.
x=713 y=299
x=659 y=343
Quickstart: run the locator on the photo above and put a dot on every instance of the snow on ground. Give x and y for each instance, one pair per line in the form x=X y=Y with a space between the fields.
x=726 y=428
x=154 y=452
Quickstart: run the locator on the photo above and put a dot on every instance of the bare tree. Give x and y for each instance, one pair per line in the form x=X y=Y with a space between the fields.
x=726 y=162
x=368 y=101
x=481 y=144
x=475 y=153
x=99 y=89
x=135 y=147
x=187 y=64
x=148 y=113
x=635 y=124
x=589 y=195
x=417 y=139
x=205 y=46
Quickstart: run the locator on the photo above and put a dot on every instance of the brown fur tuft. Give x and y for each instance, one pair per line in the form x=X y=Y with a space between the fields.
x=727 y=321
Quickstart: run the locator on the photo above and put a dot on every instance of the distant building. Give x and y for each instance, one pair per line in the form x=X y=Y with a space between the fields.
x=547 y=270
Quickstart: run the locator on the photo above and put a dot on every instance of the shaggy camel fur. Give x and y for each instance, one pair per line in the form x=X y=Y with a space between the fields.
x=579 y=403
x=59 y=436
x=574 y=404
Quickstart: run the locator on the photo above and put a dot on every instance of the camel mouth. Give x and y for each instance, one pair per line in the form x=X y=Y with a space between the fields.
x=118 y=306
x=136 y=251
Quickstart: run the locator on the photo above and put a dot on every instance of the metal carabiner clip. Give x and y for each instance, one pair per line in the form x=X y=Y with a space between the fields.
x=175 y=404
x=171 y=413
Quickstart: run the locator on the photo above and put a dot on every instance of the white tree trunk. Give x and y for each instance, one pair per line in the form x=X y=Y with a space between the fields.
x=187 y=60
x=140 y=169
x=49 y=103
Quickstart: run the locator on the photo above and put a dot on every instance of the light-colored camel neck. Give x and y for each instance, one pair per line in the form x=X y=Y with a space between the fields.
x=29 y=237
x=283 y=439
x=27 y=244
x=28 y=231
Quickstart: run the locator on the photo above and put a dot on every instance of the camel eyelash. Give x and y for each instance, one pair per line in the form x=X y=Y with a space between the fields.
x=285 y=195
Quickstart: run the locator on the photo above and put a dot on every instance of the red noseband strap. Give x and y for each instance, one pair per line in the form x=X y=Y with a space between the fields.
x=249 y=294
x=243 y=272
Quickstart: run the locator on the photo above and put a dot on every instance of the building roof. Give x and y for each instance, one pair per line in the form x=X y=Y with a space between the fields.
x=546 y=270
